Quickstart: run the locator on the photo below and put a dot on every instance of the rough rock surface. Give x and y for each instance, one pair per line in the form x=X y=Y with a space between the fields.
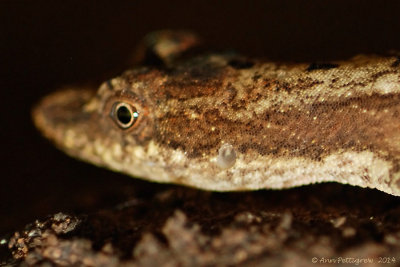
x=176 y=226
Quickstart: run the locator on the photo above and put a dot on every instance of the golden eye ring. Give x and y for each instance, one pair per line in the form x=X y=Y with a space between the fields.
x=124 y=115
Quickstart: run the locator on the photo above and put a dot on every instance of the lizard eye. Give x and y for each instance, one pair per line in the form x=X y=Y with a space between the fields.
x=124 y=115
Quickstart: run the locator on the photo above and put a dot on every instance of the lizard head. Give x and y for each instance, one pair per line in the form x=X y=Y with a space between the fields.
x=150 y=122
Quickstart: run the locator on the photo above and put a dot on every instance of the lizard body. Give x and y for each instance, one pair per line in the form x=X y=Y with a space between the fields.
x=225 y=122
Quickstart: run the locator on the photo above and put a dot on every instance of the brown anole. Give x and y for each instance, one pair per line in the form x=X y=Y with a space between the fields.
x=226 y=122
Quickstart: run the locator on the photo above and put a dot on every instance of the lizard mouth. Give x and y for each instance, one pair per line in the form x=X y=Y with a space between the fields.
x=61 y=114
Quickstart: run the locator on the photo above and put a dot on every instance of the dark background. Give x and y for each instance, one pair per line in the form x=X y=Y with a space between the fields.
x=45 y=45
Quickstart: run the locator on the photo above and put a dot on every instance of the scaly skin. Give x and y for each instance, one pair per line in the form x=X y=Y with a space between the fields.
x=225 y=122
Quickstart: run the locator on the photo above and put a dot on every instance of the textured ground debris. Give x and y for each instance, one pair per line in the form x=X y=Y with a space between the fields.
x=41 y=232
x=185 y=227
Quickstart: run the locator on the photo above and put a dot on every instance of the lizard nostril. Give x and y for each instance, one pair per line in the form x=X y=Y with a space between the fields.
x=124 y=114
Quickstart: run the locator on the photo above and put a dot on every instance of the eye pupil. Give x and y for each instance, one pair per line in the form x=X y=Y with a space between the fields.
x=124 y=115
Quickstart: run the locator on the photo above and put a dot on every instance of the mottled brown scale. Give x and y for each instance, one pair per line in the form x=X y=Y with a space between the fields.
x=283 y=124
x=321 y=66
x=295 y=132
